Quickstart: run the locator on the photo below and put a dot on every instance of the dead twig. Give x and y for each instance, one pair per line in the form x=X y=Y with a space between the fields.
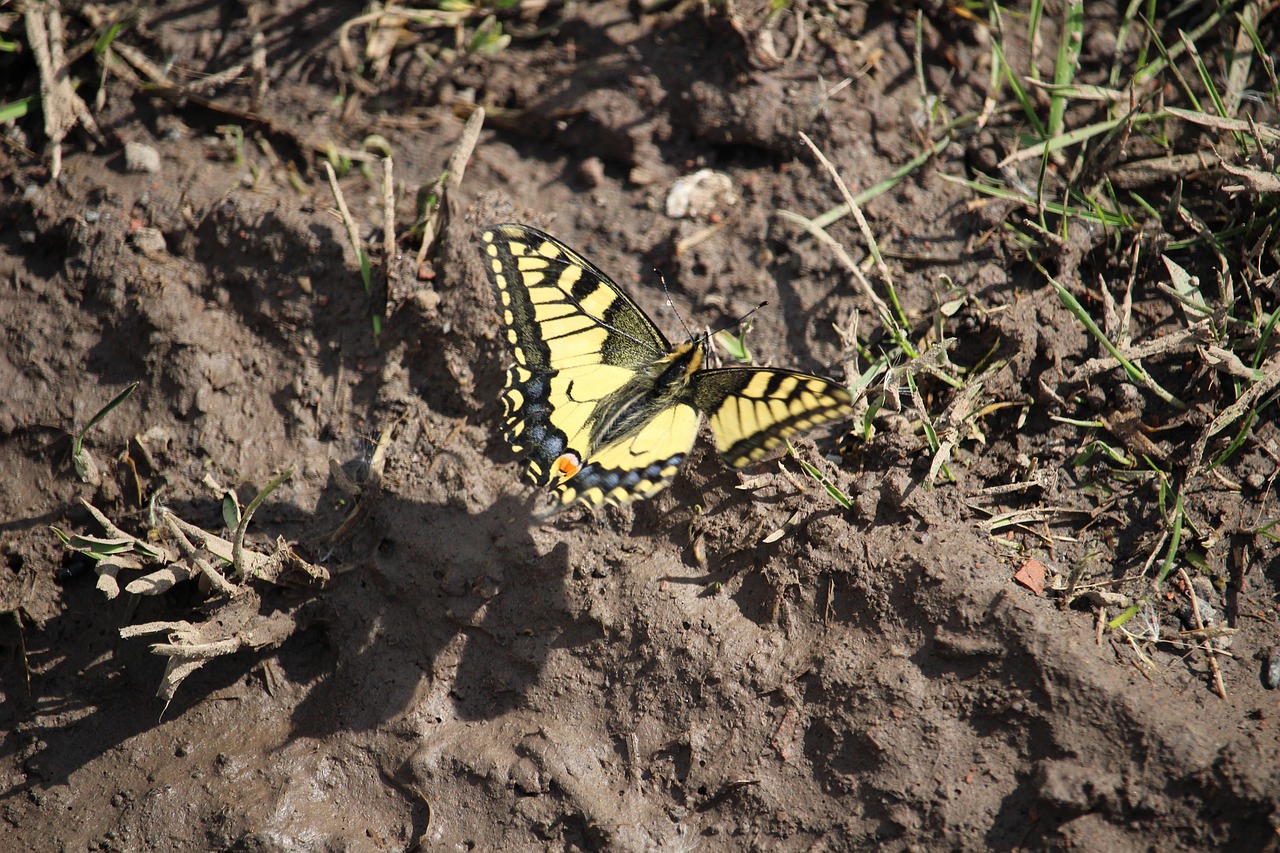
x=1200 y=627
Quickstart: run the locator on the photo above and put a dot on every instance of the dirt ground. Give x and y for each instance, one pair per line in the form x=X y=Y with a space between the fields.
x=668 y=676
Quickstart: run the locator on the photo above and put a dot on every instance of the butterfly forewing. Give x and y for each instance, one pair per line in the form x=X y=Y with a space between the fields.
x=577 y=339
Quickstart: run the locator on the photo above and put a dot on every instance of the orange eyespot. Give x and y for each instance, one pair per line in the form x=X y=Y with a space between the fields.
x=568 y=464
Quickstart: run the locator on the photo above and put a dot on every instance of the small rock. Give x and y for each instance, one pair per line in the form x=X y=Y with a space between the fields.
x=1208 y=614
x=149 y=241
x=642 y=176
x=427 y=301
x=1075 y=787
x=221 y=371
x=866 y=500
x=591 y=170
x=526 y=779
x=139 y=157
x=1271 y=668
x=1104 y=598
x=705 y=191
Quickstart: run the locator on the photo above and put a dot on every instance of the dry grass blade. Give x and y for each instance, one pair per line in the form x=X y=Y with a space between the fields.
x=237 y=620
x=348 y=221
x=1242 y=57
x=211 y=575
x=161 y=580
x=1255 y=180
x=1182 y=341
x=872 y=246
x=61 y=106
x=190 y=646
x=1219 y=687
x=881 y=307
x=357 y=247
x=462 y=152
x=1033 y=514
x=955 y=417
x=439 y=197
x=388 y=215
x=1153 y=170
x=369 y=490
x=1270 y=379
x=1265 y=133
x=108 y=568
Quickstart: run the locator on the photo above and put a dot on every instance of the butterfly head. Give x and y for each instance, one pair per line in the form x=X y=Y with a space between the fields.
x=688 y=358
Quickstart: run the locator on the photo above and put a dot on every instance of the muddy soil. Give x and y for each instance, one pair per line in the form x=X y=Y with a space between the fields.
x=666 y=676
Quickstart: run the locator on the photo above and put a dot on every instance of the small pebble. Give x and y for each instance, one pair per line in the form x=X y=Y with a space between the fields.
x=705 y=191
x=591 y=170
x=139 y=157
x=149 y=241
x=1271 y=668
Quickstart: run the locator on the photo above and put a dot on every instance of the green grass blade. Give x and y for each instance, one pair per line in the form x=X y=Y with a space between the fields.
x=1073 y=305
x=102 y=413
x=16 y=109
x=1175 y=538
x=1068 y=57
x=842 y=210
x=833 y=490
x=1236 y=442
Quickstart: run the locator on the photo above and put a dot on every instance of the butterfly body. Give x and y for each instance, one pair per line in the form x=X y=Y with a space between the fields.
x=603 y=406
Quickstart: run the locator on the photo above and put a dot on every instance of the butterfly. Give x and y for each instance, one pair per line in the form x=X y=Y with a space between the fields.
x=602 y=405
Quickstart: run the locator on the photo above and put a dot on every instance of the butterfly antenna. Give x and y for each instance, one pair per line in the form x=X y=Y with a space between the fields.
x=667 y=293
x=687 y=331
x=738 y=322
x=747 y=316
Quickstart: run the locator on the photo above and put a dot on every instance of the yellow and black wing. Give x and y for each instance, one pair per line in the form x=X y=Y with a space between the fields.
x=754 y=409
x=601 y=404
x=580 y=400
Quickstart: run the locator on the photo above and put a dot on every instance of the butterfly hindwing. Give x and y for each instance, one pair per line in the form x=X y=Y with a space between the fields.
x=638 y=466
x=754 y=409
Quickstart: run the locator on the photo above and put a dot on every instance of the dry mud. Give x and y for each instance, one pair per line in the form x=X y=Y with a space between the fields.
x=652 y=678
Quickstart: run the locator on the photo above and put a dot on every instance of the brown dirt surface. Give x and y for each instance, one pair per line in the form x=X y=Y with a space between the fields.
x=666 y=676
